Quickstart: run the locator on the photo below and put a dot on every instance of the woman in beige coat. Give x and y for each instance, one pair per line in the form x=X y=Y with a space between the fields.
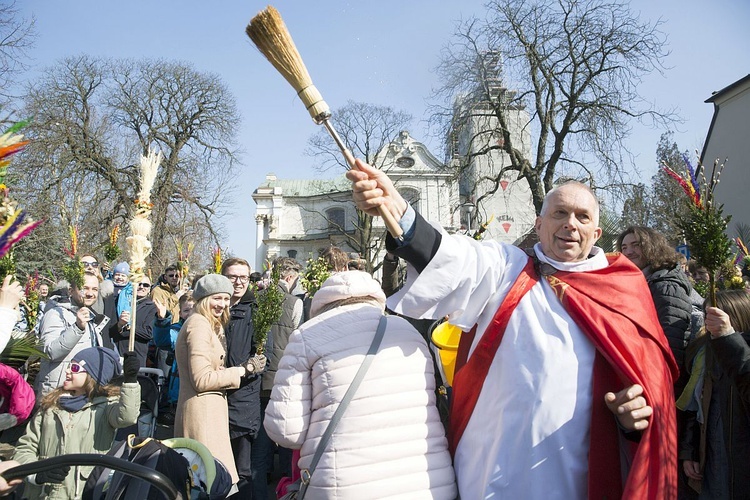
x=200 y=350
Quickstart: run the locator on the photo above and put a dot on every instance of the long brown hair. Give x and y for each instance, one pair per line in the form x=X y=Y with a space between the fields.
x=656 y=250
x=736 y=303
x=90 y=388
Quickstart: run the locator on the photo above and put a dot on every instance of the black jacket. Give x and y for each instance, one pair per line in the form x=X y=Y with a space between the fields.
x=670 y=290
x=244 y=402
x=726 y=397
x=145 y=315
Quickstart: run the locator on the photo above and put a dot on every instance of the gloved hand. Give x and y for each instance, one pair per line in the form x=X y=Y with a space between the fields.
x=130 y=366
x=255 y=364
x=7 y=421
x=54 y=476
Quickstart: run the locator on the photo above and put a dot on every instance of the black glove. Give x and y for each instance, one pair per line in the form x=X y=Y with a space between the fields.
x=54 y=476
x=130 y=366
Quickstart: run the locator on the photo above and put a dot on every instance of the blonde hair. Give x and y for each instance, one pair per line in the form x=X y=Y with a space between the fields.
x=217 y=324
x=90 y=388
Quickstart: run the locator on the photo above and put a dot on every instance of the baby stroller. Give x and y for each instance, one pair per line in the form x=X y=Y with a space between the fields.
x=152 y=382
x=139 y=469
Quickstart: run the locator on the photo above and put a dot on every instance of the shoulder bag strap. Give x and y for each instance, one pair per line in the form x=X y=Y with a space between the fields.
x=307 y=473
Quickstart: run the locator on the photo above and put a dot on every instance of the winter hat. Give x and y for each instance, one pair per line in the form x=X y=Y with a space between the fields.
x=346 y=285
x=100 y=363
x=121 y=268
x=211 y=284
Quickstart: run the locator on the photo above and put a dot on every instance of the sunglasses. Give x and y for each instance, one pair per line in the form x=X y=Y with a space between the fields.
x=76 y=368
x=144 y=285
x=90 y=264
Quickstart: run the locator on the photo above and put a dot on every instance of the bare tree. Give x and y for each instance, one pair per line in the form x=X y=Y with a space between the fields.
x=366 y=129
x=192 y=118
x=16 y=38
x=575 y=65
x=92 y=120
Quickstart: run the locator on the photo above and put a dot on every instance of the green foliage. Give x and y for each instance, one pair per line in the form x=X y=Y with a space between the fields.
x=112 y=253
x=704 y=232
x=31 y=305
x=316 y=272
x=701 y=287
x=267 y=312
x=73 y=272
x=7 y=265
x=20 y=348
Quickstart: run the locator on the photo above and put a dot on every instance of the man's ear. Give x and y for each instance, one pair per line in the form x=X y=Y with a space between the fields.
x=537 y=223
x=597 y=234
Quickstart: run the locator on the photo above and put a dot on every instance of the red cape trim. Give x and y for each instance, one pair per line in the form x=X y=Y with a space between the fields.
x=631 y=349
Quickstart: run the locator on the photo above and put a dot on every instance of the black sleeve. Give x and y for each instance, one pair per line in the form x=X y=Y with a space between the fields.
x=733 y=353
x=421 y=249
x=390 y=276
x=688 y=442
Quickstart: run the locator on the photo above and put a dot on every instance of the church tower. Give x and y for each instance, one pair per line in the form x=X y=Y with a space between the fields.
x=482 y=121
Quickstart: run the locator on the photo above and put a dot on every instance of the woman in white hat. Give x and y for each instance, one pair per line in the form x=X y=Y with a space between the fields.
x=390 y=441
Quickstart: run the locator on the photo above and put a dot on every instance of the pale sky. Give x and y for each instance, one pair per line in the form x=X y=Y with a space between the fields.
x=380 y=52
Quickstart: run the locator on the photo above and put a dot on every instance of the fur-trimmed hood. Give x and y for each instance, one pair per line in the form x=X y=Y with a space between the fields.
x=347 y=285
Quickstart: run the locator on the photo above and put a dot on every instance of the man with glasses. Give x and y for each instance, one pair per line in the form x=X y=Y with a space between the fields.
x=244 y=403
x=67 y=328
x=145 y=314
x=169 y=291
x=106 y=287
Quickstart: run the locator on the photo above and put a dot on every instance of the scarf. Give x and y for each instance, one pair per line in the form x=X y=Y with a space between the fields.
x=72 y=403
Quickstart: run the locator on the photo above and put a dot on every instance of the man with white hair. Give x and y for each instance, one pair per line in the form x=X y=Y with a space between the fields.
x=557 y=340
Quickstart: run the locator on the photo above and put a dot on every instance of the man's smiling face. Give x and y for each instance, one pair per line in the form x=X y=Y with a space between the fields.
x=569 y=224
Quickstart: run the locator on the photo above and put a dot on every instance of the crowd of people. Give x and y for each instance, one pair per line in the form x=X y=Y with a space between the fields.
x=580 y=374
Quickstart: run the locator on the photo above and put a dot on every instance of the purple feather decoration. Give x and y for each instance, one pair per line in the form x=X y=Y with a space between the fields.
x=16 y=232
x=693 y=176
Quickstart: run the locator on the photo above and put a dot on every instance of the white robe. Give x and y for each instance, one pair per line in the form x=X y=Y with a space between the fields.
x=528 y=436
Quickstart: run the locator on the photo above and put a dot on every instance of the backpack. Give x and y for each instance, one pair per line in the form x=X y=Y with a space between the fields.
x=105 y=483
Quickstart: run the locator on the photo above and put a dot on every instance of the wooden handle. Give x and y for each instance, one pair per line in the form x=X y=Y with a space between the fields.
x=390 y=221
x=134 y=305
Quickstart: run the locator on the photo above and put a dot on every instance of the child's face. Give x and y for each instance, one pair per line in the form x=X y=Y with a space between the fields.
x=186 y=309
x=74 y=382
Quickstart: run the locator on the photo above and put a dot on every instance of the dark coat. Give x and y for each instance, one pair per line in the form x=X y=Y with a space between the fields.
x=670 y=290
x=145 y=314
x=725 y=399
x=244 y=402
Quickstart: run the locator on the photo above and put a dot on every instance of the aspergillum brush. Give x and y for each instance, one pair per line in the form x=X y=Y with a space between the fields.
x=271 y=36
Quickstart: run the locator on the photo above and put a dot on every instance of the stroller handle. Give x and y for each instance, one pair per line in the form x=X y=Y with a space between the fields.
x=159 y=480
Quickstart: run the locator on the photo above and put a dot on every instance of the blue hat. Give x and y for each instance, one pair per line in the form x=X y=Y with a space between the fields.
x=100 y=363
x=121 y=268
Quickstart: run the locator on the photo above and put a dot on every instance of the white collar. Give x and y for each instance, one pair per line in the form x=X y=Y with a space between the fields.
x=597 y=260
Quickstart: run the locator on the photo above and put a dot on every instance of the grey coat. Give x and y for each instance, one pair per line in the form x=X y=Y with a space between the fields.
x=61 y=339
